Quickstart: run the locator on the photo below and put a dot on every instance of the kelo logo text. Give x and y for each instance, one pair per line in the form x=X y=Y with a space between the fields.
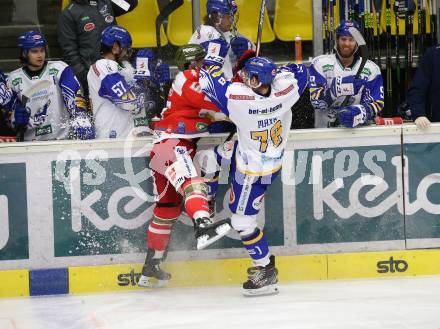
x=379 y=186
x=392 y=266
x=85 y=205
x=128 y=279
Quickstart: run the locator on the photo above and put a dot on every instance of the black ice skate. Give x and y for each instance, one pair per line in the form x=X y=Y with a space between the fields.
x=152 y=275
x=262 y=280
x=207 y=232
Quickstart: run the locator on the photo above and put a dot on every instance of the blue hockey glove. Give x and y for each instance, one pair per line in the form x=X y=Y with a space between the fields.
x=82 y=128
x=216 y=51
x=162 y=73
x=144 y=64
x=21 y=115
x=354 y=115
x=239 y=45
x=345 y=86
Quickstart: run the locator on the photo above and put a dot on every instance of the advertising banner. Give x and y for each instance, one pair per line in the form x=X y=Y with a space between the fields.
x=349 y=194
x=341 y=190
x=103 y=206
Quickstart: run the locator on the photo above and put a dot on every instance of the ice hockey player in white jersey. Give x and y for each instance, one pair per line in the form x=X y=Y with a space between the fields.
x=117 y=90
x=221 y=23
x=332 y=79
x=260 y=107
x=48 y=102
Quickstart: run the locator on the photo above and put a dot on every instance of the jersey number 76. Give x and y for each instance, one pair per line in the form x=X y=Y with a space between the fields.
x=275 y=134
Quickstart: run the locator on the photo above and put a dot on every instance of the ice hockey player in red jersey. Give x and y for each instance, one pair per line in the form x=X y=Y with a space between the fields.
x=186 y=118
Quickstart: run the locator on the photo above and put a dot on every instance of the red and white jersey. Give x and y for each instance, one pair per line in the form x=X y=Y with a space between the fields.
x=188 y=112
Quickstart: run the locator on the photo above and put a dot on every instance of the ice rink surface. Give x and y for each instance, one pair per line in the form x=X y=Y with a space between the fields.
x=377 y=303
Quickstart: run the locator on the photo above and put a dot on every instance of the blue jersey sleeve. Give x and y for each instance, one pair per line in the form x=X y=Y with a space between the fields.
x=214 y=85
x=301 y=74
x=119 y=92
x=372 y=95
x=114 y=87
x=72 y=92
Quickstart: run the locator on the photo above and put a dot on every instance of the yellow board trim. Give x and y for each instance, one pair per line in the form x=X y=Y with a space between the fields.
x=14 y=283
x=221 y=272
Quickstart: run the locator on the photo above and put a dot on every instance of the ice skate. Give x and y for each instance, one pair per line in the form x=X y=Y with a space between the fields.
x=152 y=275
x=207 y=231
x=262 y=280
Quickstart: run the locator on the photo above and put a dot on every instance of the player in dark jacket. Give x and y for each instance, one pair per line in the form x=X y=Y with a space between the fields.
x=422 y=98
x=79 y=32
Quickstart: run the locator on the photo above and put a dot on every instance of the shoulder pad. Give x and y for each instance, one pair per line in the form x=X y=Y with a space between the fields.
x=105 y=67
x=371 y=69
x=323 y=59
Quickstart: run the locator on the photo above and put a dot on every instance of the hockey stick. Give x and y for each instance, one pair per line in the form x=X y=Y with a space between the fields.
x=26 y=97
x=433 y=14
x=349 y=11
x=389 y=80
x=332 y=4
x=260 y=27
x=378 y=7
x=257 y=52
x=163 y=15
x=397 y=14
x=362 y=47
x=370 y=29
x=325 y=23
x=410 y=10
x=343 y=10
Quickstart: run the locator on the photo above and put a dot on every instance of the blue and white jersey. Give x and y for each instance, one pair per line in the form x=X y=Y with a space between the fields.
x=263 y=122
x=51 y=98
x=206 y=33
x=327 y=68
x=118 y=106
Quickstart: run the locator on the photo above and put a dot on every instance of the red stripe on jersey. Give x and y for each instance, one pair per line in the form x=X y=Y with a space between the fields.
x=95 y=69
x=242 y=97
x=285 y=91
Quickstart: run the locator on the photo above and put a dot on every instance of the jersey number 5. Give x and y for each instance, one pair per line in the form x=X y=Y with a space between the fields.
x=275 y=134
